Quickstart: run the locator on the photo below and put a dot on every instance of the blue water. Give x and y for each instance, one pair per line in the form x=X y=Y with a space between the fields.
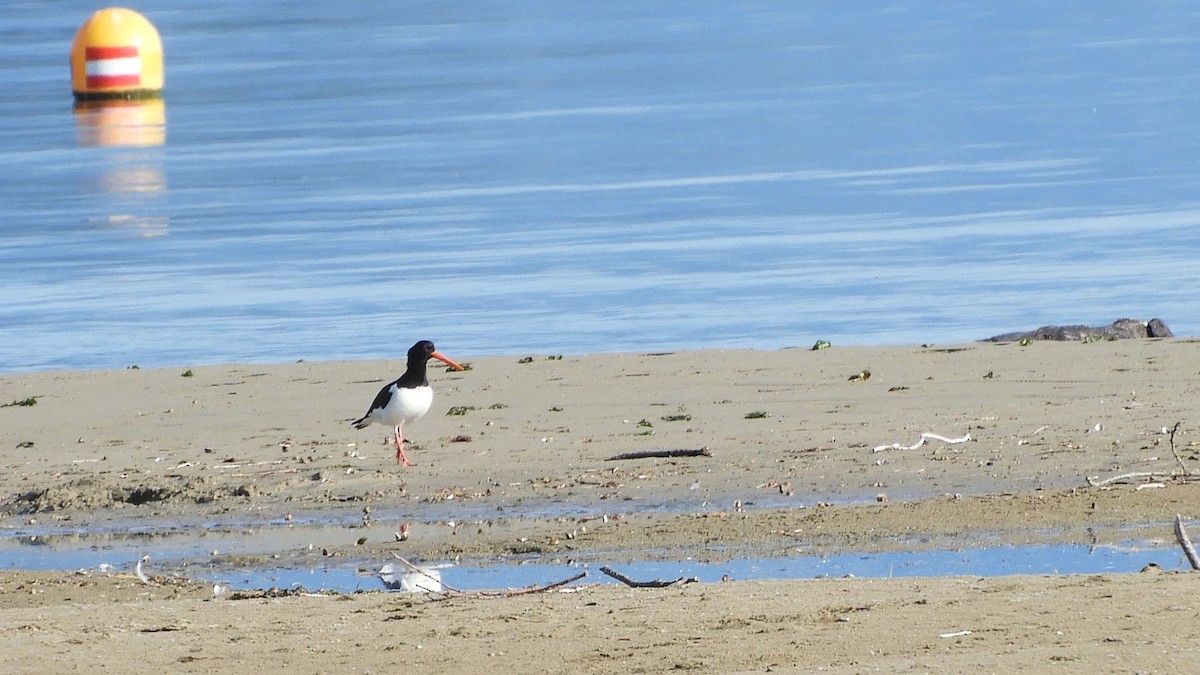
x=348 y=576
x=992 y=561
x=188 y=551
x=339 y=179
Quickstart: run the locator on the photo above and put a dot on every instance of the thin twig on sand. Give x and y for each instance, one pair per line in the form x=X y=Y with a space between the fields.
x=697 y=452
x=1094 y=481
x=531 y=589
x=1178 y=458
x=657 y=583
x=452 y=592
x=1182 y=536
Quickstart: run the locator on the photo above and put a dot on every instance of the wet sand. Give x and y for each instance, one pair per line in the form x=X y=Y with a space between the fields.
x=521 y=467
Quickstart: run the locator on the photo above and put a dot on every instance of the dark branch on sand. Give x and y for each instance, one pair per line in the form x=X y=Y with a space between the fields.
x=697 y=452
x=657 y=583
x=1178 y=457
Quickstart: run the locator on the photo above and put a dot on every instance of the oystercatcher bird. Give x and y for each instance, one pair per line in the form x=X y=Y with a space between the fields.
x=406 y=399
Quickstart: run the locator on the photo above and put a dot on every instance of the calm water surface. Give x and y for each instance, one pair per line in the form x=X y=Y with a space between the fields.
x=339 y=180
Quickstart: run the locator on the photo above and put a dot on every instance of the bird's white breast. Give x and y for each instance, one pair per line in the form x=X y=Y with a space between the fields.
x=407 y=405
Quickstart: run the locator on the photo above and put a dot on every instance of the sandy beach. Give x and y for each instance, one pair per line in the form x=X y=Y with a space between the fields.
x=1068 y=442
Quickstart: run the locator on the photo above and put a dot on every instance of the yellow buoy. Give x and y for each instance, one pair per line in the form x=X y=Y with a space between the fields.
x=117 y=54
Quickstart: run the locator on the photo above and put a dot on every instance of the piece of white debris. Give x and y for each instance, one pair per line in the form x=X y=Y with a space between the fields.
x=921 y=441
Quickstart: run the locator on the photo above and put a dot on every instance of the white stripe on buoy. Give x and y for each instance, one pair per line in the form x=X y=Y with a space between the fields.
x=113 y=67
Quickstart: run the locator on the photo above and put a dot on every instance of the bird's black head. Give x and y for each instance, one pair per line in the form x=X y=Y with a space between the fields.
x=421 y=351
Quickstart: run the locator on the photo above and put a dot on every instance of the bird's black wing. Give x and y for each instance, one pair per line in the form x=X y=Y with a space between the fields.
x=380 y=402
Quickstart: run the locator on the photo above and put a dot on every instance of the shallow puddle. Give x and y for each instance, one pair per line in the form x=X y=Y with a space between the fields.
x=187 y=552
x=979 y=562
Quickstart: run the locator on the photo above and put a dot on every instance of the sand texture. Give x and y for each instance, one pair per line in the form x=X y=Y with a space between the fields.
x=1069 y=442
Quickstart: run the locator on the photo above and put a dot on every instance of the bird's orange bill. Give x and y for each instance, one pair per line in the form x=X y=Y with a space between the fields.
x=443 y=359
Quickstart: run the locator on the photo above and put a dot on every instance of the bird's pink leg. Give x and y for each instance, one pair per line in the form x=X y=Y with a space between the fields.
x=400 y=458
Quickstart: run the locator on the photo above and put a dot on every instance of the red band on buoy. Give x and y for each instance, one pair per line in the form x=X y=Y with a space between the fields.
x=113 y=67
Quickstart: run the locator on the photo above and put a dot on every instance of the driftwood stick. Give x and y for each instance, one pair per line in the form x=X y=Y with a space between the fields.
x=1175 y=452
x=1186 y=543
x=534 y=589
x=516 y=591
x=658 y=583
x=1094 y=481
x=698 y=452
